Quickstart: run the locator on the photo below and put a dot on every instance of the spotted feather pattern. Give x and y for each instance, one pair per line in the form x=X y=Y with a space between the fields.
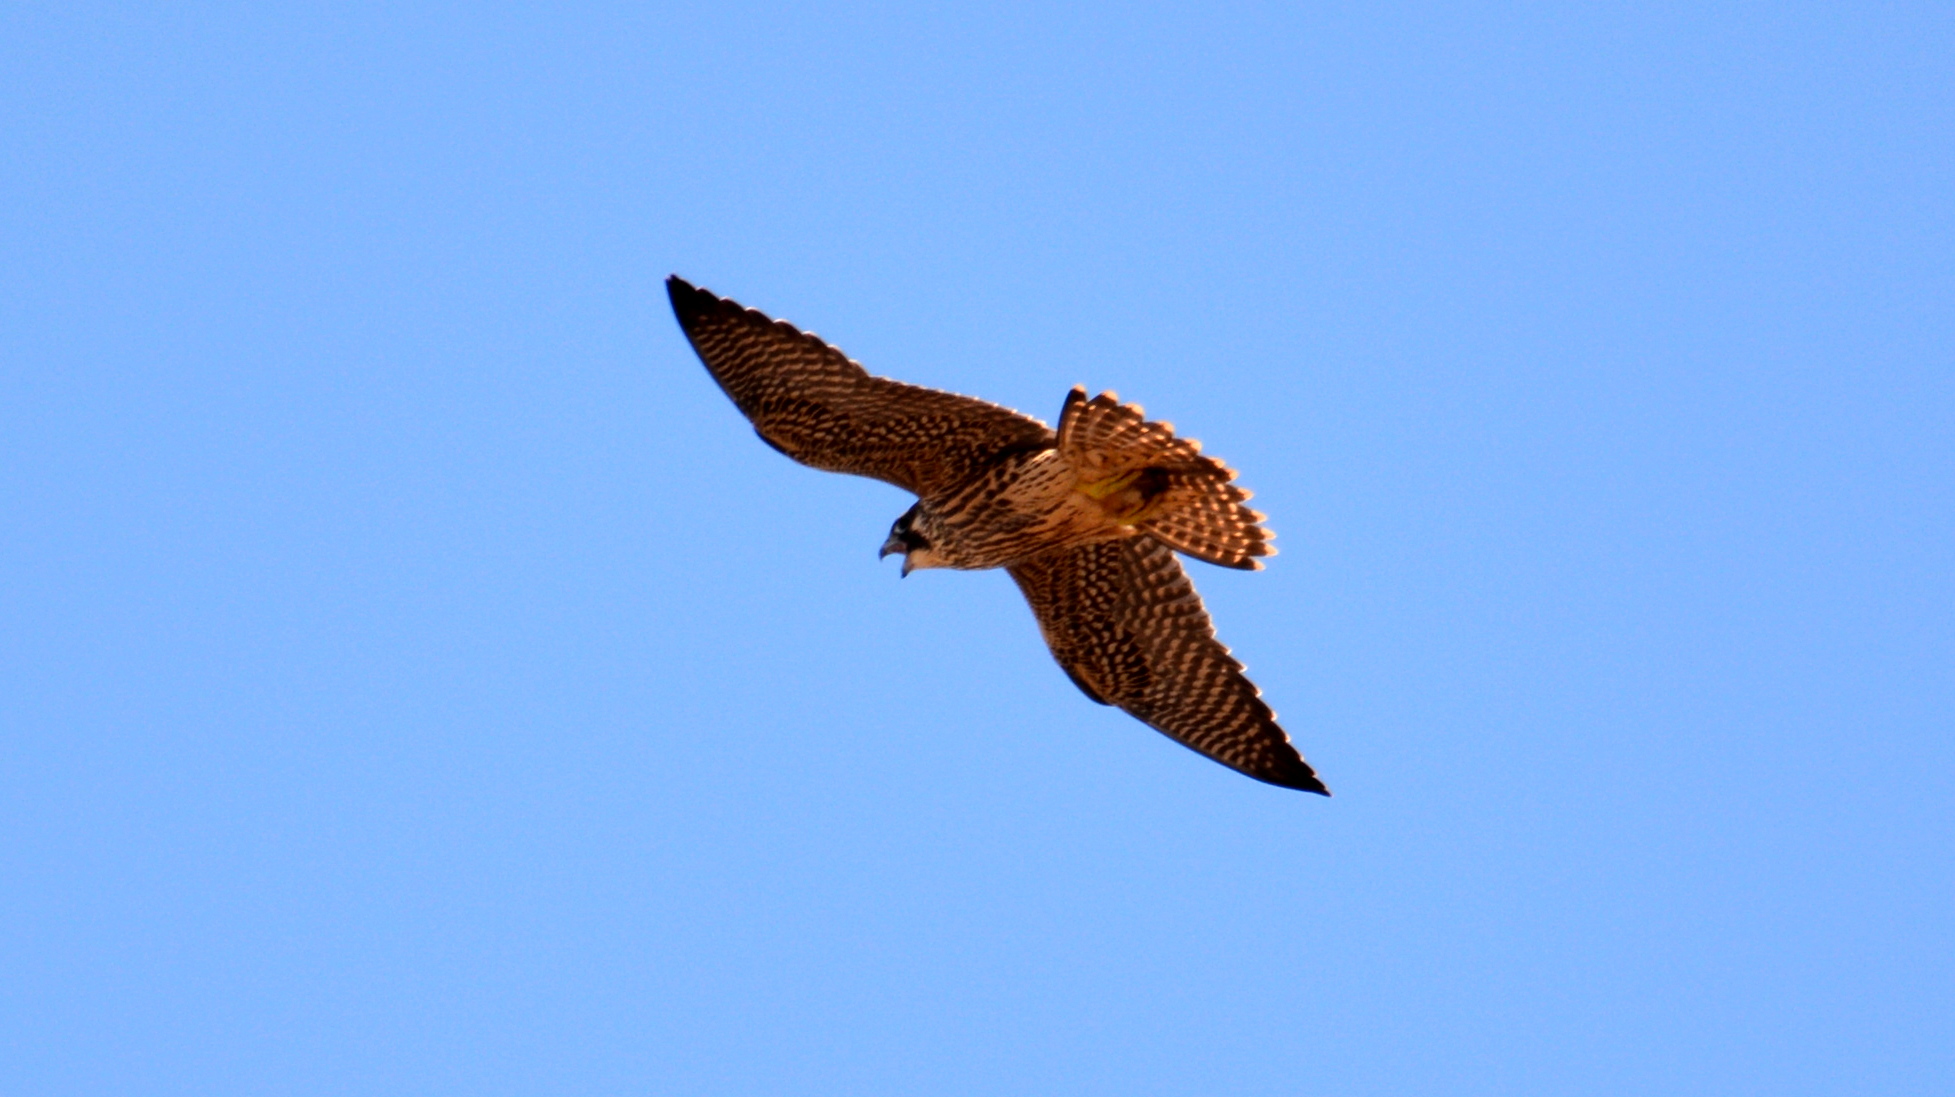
x=1190 y=502
x=811 y=402
x=1126 y=625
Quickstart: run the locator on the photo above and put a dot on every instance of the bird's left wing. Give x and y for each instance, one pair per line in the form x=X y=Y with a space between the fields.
x=1128 y=628
x=811 y=402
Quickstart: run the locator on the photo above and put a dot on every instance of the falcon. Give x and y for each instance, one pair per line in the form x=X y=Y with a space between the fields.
x=1086 y=518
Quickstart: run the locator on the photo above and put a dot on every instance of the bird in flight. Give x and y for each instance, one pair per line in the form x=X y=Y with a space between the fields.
x=1087 y=519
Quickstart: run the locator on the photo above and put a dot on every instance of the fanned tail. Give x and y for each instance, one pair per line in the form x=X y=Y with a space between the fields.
x=1160 y=484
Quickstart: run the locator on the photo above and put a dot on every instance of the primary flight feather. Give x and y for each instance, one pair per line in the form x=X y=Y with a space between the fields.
x=1087 y=518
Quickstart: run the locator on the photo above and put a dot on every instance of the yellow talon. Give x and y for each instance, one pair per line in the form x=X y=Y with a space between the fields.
x=1100 y=489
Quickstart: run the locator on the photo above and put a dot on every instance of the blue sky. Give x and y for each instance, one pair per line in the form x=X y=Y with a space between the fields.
x=418 y=678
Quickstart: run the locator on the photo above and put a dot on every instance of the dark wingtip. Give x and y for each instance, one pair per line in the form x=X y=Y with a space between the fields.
x=1300 y=777
x=689 y=302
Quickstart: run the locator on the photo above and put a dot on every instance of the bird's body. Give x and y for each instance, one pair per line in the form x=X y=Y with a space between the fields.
x=1022 y=505
x=1087 y=518
x=1026 y=504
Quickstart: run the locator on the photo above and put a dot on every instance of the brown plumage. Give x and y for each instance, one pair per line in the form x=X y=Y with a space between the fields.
x=1190 y=503
x=811 y=402
x=1086 y=519
x=1126 y=624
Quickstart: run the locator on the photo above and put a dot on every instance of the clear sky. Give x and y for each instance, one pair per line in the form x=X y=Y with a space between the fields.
x=418 y=679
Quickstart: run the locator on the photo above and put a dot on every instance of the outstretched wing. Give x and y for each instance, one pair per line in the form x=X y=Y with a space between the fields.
x=1128 y=628
x=811 y=402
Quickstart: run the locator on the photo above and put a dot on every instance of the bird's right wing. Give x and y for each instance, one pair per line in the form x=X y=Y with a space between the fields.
x=1128 y=628
x=811 y=402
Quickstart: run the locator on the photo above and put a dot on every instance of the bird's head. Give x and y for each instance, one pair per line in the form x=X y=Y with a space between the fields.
x=906 y=538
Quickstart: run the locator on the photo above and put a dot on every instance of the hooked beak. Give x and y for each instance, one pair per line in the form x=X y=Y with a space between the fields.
x=895 y=546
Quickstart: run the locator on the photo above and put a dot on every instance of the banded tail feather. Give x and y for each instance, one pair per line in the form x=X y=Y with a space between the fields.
x=1158 y=483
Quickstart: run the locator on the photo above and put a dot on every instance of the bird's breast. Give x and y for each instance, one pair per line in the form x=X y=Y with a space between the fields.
x=1031 y=504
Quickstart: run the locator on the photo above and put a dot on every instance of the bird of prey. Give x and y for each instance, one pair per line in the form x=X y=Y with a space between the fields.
x=1087 y=518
